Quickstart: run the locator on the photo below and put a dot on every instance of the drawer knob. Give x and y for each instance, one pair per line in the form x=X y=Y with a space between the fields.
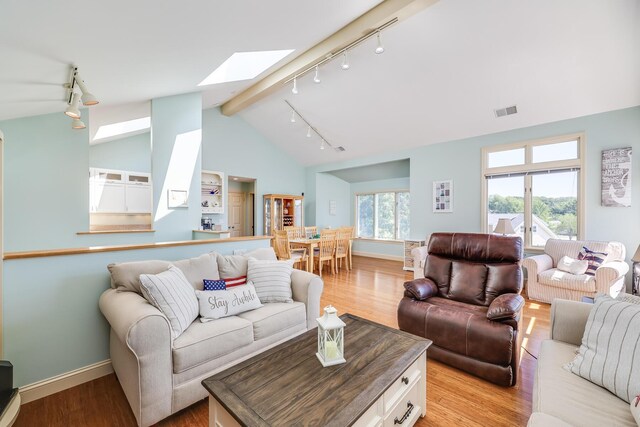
x=406 y=414
x=405 y=380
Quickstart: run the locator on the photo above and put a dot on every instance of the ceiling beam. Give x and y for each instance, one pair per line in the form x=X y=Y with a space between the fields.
x=384 y=12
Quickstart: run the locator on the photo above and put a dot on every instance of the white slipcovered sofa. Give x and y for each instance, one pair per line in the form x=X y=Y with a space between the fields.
x=561 y=398
x=545 y=282
x=161 y=375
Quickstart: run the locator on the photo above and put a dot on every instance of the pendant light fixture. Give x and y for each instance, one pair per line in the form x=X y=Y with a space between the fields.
x=77 y=124
x=294 y=90
x=316 y=78
x=72 y=110
x=345 y=61
x=380 y=48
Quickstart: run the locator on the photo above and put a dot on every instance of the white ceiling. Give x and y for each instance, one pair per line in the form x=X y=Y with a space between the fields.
x=445 y=70
x=133 y=51
x=442 y=74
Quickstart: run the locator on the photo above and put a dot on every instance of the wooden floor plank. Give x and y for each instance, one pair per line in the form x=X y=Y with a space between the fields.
x=371 y=290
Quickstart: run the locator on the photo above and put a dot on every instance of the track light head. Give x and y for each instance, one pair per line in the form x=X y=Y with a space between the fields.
x=88 y=98
x=316 y=78
x=77 y=124
x=294 y=90
x=380 y=48
x=322 y=145
x=72 y=110
x=345 y=61
x=309 y=132
x=293 y=116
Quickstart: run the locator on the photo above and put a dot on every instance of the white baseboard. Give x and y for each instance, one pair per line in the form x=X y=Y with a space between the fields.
x=379 y=256
x=52 y=385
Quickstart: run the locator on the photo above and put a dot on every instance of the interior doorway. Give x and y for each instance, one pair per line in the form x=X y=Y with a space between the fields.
x=241 y=206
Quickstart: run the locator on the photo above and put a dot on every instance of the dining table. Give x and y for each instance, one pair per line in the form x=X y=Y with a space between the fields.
x=310 y=244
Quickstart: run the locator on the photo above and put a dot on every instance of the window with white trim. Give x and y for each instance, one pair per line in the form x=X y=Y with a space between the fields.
x=538 y=186
x=383 y=215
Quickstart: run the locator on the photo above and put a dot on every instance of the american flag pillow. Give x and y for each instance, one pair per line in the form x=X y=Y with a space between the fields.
x=595 y=259
x=214 y=285
x=235 y=281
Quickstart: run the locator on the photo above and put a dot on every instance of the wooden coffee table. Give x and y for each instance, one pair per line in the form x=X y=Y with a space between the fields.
x=382 y=383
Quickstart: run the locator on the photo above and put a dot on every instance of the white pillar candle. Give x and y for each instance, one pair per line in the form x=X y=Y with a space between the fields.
x=331 y=349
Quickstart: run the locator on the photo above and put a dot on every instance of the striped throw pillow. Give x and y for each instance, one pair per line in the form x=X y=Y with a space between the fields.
x=610 y=352
x=595 y=259
x=235 y=281
x=171 y=293
x=272 y=279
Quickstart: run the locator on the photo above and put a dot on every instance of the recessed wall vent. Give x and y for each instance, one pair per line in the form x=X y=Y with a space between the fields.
x=340 y=149
x=507 y=111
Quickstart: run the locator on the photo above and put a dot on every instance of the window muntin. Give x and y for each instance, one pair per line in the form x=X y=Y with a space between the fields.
x=551 y=189
x=383 y=215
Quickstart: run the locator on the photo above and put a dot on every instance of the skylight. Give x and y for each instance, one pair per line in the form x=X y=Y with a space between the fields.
x=120 y=128
x=244 y=66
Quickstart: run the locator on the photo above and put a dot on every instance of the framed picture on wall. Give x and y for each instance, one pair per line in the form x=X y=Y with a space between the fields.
x=178 y=199
x=442 y=196
x=616 y=177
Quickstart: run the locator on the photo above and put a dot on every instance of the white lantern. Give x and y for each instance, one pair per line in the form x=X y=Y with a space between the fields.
x=330 y=338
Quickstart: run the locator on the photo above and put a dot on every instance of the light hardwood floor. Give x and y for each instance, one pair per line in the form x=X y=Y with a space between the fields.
x=371 y=290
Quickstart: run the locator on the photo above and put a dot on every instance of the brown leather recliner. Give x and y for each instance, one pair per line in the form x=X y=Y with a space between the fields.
x=469 y=304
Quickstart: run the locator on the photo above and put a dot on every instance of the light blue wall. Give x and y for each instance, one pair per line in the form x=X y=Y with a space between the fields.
x=128 y=154
x=176 y=150
x=232 y=146
x=46 y=182
x=330 y=188
x=52 y=323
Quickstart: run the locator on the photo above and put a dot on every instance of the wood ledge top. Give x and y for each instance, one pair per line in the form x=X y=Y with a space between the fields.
x=115 y=248
x=115 y=231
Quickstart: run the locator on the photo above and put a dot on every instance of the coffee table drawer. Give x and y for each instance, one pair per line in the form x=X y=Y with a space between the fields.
x=373 y=417
x=396 y=391
x=407 y=410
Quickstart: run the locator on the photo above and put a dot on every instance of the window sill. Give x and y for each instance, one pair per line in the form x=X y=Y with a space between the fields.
x=369 y=239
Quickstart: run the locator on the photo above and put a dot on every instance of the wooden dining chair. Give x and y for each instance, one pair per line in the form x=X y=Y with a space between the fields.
x=325 y=250
x=350 y=232
x=309 y=232
x=343 y=236
x=295 y=232
x=284 y=251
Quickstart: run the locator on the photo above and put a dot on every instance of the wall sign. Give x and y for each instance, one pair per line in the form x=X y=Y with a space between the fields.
x=616 y=177
x=442 y=196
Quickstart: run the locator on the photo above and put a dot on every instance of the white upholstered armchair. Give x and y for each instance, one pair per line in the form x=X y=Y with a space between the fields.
x=545 y=282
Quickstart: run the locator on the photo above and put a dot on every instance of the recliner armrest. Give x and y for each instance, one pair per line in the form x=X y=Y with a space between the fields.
x=420 y=289
x=505 y=307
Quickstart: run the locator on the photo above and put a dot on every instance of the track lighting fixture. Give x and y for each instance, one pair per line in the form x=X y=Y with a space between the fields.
x=72 y=110
x=345 y=61
x=316 y=78
x=77 y=124
x=310 y=129
x=380 y=48
x=295 y=86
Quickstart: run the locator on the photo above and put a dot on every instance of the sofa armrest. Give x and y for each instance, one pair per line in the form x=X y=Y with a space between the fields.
x=419 y=254
x=536 y=264
x=608 y=274
x=144 y=358
x=568 y=320
x=420 y=289
x=505 y=307
x=307 y=288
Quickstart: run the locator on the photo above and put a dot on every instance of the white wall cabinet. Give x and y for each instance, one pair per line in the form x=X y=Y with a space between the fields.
x=112 y=191
x=212 y=190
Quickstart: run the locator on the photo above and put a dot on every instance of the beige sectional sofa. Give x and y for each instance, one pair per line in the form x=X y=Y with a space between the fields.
x=161 y=376
x=561 y=398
